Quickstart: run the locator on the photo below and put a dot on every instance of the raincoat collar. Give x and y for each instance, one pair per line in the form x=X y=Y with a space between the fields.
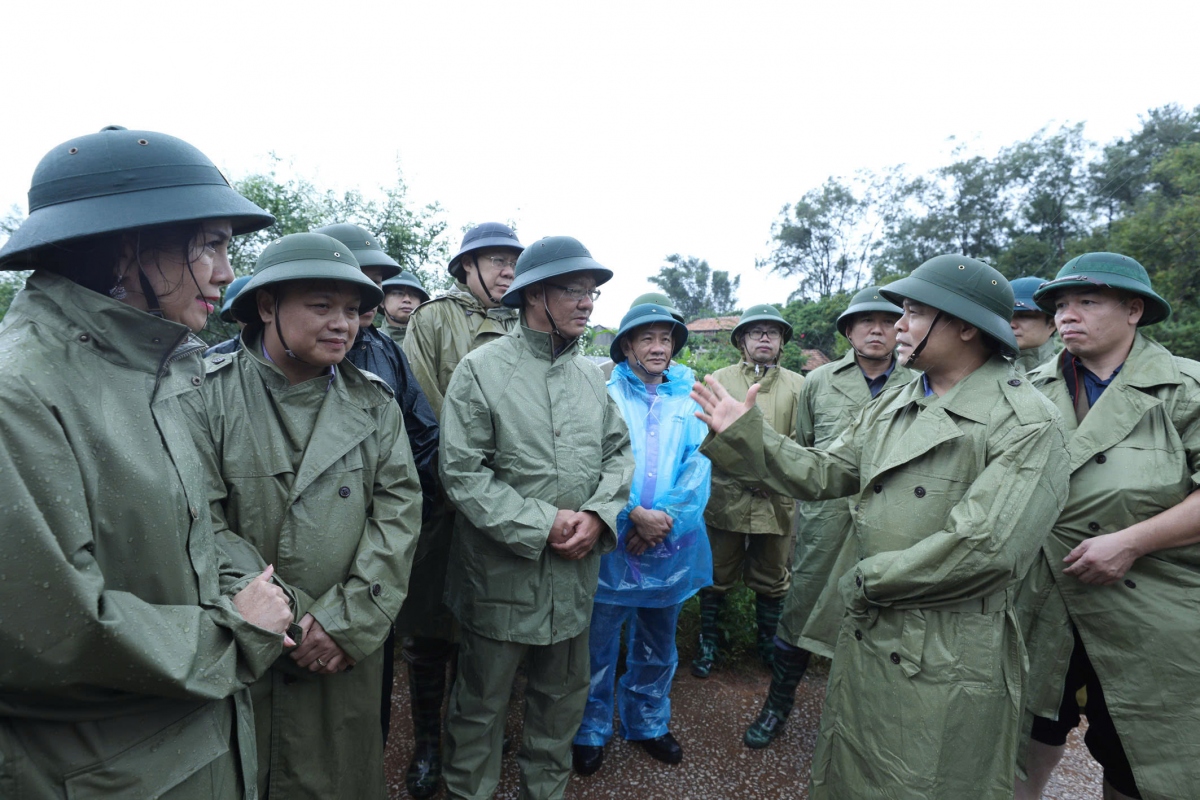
x=542 y=345
x=765 y=377
x=1148 y=365
x=252 y=344
x=120 y=334
x=461 y=294
x=676 y=380
x=972 y=397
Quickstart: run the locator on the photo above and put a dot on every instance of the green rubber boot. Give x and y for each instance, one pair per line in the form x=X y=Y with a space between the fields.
x=766 y=613
x=786 y=672
x=427 y=689
x=706 y=656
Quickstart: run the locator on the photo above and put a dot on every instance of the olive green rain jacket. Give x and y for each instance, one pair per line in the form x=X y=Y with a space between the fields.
x=443 y=330
x=1030 y=359
x=317 y=479
x=830 y=399
x=1136 y=454
x=954 y=497
x=733 y=506
x=120 y=652
x=524 y=434
x=393 y=332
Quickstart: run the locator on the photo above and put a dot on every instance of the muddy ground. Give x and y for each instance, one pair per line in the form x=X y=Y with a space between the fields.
x=709 y=717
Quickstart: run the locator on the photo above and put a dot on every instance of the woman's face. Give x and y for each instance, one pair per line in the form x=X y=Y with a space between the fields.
x=187 y=279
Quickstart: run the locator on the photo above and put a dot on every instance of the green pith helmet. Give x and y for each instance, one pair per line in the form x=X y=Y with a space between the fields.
x=864 y=302
x=231 y=293
x=482 y=237
x=406 y=280
x=1023 y=289
x=658 y=299
x=760 y=313
x=121 y=180
x=298 y=257
x=366 y=248
x=552 y=257
x=965 y=288
x=1092 y=270
x=648 y=314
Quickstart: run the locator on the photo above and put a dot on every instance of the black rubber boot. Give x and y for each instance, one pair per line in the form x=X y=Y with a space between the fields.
x=766 y=614
x=710 y=610
x=786 y=672
x=427 y=689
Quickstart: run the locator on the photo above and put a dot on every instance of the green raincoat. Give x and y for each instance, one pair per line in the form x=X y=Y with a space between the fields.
x=732 y=506
x=953 y=499
x=121 y=652
x=394 y=332
x=525 y=433
x=830 y=399
x=1136 y=454
x=317 y=479
x=1030 y=359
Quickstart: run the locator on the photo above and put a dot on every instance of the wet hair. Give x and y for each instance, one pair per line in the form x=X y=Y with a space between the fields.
x=92 y=261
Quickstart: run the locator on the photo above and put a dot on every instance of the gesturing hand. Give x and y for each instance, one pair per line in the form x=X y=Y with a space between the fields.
x=718 y=408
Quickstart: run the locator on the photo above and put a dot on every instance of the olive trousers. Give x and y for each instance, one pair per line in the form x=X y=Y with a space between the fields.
x=759 y=560
x=555 y=695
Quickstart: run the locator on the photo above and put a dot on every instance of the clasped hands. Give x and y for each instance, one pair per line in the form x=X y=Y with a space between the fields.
x=574 y=533
x=649 y=528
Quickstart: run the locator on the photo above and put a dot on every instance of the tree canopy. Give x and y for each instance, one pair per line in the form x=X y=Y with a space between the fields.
x=697 y=290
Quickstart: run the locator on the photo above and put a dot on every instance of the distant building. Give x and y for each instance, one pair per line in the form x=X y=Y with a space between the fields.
x=813 y=358
x=713 y=327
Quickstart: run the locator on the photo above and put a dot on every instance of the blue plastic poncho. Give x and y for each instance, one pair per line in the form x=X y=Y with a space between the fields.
x=669 y=475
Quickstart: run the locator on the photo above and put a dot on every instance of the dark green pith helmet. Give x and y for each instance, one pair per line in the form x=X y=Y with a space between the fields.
x=481 y=237
x=1112 y=270
x=299 y=257
x=406 y=280
x=648 y=314
x=760 y=313
x=658 y=299
x=552 y=257
x=864 y=302
x=365 y=247
x=1023 y=289
x=118 y=180
x=964 y=288
x=231 y=293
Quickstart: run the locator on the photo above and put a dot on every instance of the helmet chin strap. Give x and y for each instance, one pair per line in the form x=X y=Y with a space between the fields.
x=282 y=341
x=554 y=323
x=912 y=358
x=482 y=285
x=650 y=372
x=153 y=306
x=863 y=355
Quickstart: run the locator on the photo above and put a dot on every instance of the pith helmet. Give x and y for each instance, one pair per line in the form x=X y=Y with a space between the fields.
x=648 y=314
x=406 y=280
x=365 y=246
x=231 y=292
x=489 y=234
x=658 y=299
x=1023 y=289
x=303 y=256
x=1106 y=269
x=118 y=180
x=864 y=302
x=760 y=313
x=549 y=258
x=964 y=288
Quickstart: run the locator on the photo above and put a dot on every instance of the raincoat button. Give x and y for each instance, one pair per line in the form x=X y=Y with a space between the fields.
x=219 y=360
x=195 y=514
x=919 y=491
x=1093 y=526
x=557 y=431
x=1014 y=382
x=197 y=380
x=344 y=491
x=1100 y=459
x=895 y=657
x=376 y=589
x=858 y=581
x=85 y=337
x=857 y=506
x=878 y=488
x=858 y=635
x=1130 y=584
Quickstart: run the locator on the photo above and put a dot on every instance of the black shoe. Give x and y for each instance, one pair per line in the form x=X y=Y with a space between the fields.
x=424 y=771
x=586 y=759
x=664 y=748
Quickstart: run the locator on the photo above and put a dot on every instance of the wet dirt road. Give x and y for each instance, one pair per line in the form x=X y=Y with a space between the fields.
x=709 y=717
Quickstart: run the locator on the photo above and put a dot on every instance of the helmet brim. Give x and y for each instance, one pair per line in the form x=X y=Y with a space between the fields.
x=1157 y=309
x=845 y=318
x=245 y=305
x=455 y=267
x=736 y=333
x=934 y=296
x=554 y=269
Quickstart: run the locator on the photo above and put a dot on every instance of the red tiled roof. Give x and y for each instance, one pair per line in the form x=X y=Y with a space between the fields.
x=814 y=359
x=713 y=324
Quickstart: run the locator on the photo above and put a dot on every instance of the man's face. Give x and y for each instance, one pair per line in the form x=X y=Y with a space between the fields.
x=319 y=319
x=569 y=301
x=762 y=341
x=1095 y=322
x=650 y=345
x=496 y=267
x=873 y=333
x=945 y=345
x=368 y=314
x=1031 y=328
x=400 y=303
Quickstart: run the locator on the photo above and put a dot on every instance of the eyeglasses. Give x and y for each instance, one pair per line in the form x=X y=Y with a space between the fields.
x=764 y=333
x=500 y=262
x=574 y=294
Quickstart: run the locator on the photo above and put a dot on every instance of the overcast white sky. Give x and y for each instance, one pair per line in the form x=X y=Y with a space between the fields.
x=642 y=129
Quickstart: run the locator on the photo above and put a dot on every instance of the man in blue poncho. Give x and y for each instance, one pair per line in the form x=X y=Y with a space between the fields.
x=662 y=556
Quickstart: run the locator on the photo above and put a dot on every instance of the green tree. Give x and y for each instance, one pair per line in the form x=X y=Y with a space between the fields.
x=814 y=325
x=697 y=290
